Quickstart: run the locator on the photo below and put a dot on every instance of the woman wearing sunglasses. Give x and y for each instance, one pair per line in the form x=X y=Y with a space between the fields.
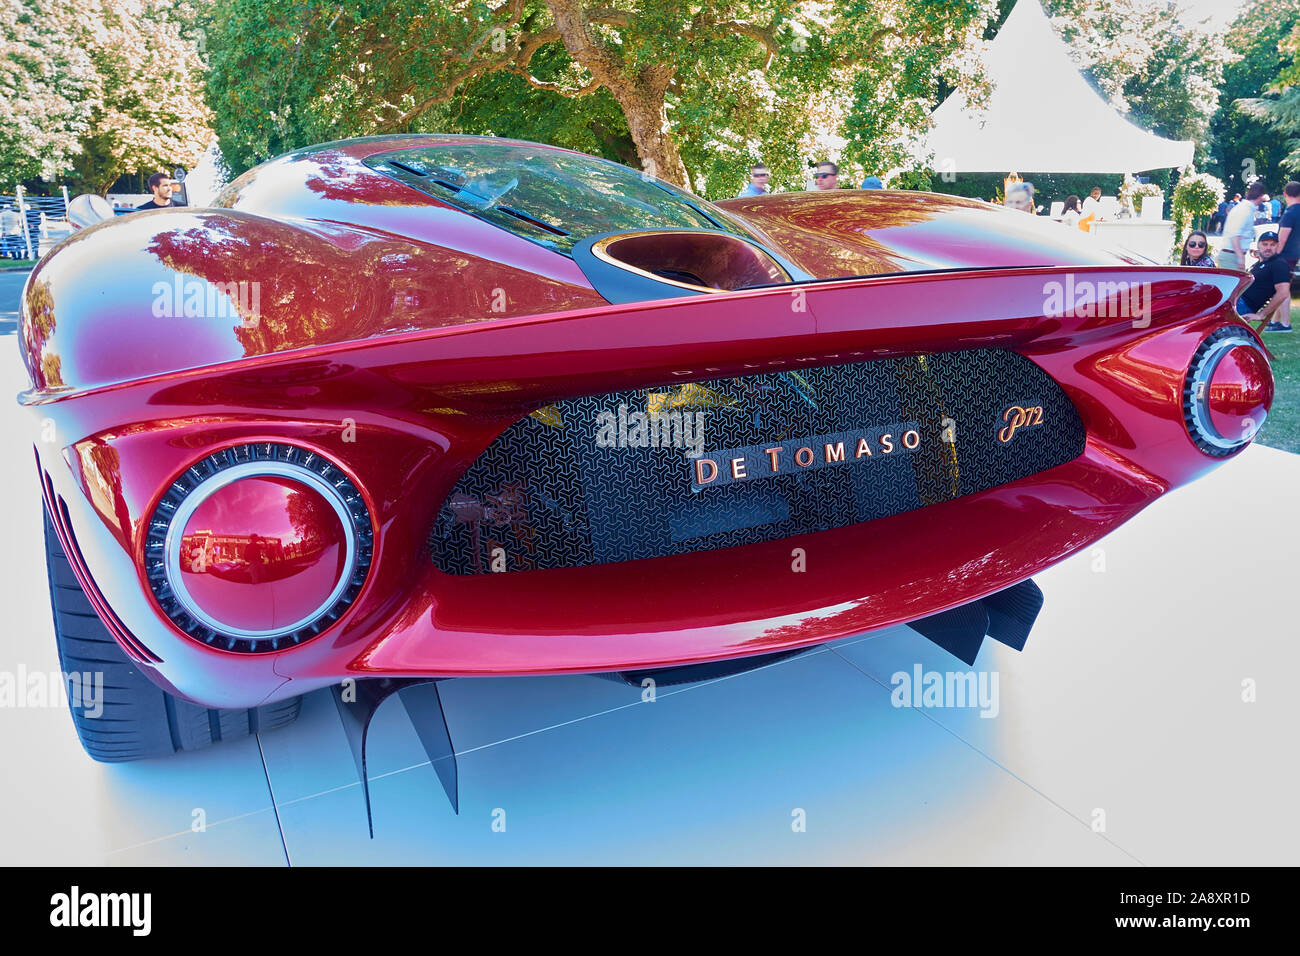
x=1196 y=251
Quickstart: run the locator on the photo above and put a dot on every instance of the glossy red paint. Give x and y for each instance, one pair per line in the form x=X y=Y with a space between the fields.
x=847 y=232
x=262 y=553
x=1240 y=393
x=404 y=403
x=270 y=271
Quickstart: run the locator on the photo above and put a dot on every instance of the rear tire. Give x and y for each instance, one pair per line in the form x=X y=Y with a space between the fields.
x=138 y=718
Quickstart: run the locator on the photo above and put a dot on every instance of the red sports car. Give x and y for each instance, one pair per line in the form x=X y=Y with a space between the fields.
x=418 y=407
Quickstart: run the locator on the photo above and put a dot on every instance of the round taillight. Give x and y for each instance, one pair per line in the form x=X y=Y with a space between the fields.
x=1228 y=391
x=258 y=547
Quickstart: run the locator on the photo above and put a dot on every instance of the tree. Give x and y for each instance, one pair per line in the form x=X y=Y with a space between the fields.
x=905 y=62
x=697 y=90
x=1243 y=145
x=503 y=103
x=99 y=87
x=48 y=90
x=1261 y=93
x=151 y=112
x=1196 y=196
x=1162 y=72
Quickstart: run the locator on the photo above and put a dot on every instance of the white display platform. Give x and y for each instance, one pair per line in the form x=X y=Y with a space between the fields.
x=1153 y=238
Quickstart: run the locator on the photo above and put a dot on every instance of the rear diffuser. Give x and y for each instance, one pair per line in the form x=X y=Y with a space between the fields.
x=1007 y=617
x=424 y=709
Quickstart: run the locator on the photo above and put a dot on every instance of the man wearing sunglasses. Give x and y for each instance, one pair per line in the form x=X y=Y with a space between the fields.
x=827 y=176
x=758 y=180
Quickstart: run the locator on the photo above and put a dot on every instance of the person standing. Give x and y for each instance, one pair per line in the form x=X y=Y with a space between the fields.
x=758 y=180
x=1239 y=229
x=872 y=182
x=1288 y=242
x=1288 y=233
x=827 y=175
x=162 y=186
x=1220 y=214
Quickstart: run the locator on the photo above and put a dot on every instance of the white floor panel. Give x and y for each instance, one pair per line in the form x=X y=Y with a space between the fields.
x=1128 y=697
x=713 y=774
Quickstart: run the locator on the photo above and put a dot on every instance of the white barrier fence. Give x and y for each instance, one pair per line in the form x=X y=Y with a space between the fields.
x=26 y=220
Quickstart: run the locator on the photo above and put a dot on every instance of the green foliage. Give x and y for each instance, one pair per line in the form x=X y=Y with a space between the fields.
x=922 y=179
x=1243 y=143
x=505 y=104
x=1142 y=57
x=1282 y=428
x=731 y=81
x=1196 y=195
x=152 y=115
x=48 y=90
x=1280 y=110
x=98 y=87
x=1281 y=114
x=893 y=96
x=1131 y=193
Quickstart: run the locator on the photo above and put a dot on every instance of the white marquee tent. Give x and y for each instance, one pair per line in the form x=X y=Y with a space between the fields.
x=1042 y=115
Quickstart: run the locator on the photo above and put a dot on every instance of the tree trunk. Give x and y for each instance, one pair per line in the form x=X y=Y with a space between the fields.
x=641 y=94
x=647 y=121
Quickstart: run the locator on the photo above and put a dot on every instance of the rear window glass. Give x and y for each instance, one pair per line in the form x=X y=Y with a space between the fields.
x=554 y=198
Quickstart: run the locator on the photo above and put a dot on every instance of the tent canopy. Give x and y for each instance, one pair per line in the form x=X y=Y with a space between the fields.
x=1042 y=115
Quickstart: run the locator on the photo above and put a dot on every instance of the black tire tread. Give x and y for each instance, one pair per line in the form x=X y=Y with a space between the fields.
x=144 y=720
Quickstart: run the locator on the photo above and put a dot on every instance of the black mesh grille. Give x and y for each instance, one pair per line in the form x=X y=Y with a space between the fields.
x=578 y=483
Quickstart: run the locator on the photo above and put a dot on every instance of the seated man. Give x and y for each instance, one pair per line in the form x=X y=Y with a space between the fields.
x=1270 y=288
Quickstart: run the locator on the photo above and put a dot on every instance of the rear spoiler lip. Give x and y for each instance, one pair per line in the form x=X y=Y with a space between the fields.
x=36 y=397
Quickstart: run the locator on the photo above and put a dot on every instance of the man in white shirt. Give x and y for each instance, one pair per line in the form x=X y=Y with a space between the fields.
x=1239 y=229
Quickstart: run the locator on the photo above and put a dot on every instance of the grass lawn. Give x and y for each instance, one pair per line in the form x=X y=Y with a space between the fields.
x=1282 y=430
x=17 y=263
